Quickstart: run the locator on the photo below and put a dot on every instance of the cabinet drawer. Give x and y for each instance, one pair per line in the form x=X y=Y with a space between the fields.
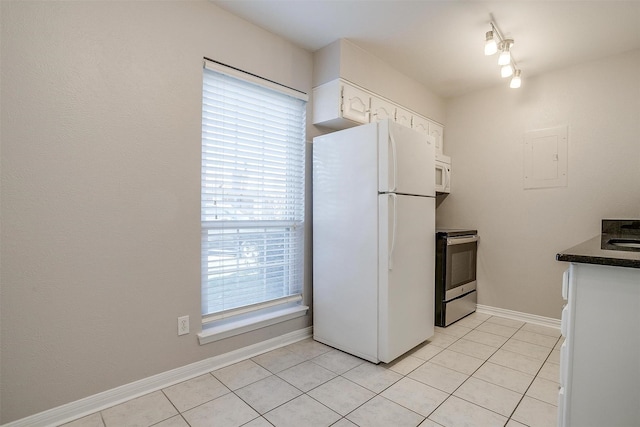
x=565 y=284
x=564 y=321
x=564 y=364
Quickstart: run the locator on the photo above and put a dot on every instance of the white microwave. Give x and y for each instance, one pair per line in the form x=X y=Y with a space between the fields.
x=443 y=173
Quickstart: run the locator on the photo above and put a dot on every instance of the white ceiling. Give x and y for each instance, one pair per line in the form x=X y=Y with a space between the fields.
x=440 y=43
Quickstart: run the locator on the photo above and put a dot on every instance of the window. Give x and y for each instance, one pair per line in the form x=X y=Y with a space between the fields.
x=252 y=206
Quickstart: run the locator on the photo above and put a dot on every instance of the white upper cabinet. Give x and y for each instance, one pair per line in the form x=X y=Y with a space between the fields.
x=355 y=104
x=420 y=124
x=437 y=131
x=339 y=105
x=428 y=127
x=403 y=117
x=381 y=109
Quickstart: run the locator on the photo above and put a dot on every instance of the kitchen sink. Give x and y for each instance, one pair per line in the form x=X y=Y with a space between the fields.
x=625 y=243
x=620 y=235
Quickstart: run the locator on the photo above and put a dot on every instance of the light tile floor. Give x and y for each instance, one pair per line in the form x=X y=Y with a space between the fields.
x=481 y=371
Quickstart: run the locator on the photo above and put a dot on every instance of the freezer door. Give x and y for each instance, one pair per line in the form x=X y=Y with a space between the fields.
x=407 y=160
x=406 y=273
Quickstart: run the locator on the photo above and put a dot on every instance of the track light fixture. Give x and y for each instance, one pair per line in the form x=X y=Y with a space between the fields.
x=507 y=64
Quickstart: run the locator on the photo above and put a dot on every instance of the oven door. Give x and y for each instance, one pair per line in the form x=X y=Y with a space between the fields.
x=443 y=172
x=460 y=275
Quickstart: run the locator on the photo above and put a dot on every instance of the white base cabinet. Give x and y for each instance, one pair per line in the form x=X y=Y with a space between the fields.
x=600 y=358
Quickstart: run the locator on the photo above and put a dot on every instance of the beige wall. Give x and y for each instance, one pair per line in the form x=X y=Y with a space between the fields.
x=100 y=119
x=522 y=230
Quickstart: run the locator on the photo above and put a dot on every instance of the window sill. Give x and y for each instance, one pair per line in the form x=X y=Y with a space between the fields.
x=235 y=326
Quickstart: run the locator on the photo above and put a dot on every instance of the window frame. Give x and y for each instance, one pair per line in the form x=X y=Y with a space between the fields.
x=229 y=322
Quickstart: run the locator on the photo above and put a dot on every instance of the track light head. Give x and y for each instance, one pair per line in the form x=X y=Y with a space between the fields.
x=505 y=55
x=490 y=45
x=516 y=82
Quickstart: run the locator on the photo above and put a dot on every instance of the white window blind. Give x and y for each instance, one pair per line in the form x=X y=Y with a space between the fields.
x=252 y=207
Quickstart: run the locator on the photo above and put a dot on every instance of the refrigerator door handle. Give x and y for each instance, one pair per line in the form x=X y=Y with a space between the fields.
x=395 y=163
x=393 y=231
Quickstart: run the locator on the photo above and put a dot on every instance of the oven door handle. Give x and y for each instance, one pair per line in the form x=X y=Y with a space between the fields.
x=461 y=240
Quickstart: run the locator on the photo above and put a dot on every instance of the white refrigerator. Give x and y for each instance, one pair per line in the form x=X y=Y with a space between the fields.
x=373 y=240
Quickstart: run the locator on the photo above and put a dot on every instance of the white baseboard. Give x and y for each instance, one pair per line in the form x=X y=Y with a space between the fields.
x=89 y=405
x=517 y=315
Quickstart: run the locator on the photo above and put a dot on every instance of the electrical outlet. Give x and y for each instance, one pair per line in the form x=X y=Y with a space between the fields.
x=183 y=325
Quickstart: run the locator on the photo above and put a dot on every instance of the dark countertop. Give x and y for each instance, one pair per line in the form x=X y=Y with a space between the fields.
x=591 y=252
